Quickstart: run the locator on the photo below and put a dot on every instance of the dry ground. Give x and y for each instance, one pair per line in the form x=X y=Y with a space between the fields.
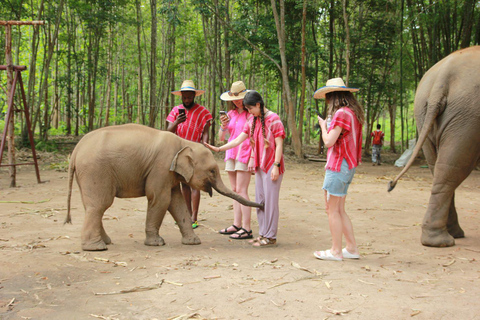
x=45 y=275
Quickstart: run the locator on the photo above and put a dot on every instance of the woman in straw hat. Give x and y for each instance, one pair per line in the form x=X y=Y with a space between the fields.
x=343 y=138
x=236 y=160
x=190 y=121
x=266 y=133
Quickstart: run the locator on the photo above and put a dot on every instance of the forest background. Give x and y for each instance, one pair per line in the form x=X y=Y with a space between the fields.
x=103 y=62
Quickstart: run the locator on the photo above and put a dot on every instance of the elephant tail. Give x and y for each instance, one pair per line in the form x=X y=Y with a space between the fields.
x=71 y=172
x=433 y=109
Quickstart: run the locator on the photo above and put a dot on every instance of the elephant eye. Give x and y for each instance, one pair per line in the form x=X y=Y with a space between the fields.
x=212 y=171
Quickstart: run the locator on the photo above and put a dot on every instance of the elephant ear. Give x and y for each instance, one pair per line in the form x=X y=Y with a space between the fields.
x=183 y=163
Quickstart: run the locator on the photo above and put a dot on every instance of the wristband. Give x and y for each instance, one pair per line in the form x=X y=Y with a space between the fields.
x=276 y=164
x=221 y=128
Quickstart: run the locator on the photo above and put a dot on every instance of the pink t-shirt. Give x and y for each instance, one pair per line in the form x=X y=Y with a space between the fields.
x=264 y=158
x=192 y=129
x=349 y=145
x=235 y=126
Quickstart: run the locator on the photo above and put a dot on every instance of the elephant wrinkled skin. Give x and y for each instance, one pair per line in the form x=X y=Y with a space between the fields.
x=447 y=112
x=129 y=161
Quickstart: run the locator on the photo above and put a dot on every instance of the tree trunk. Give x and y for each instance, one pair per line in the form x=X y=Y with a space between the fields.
x=141 y=114
x=153 y=61
x=304 y=77
x=347 y=40
x=290 y=108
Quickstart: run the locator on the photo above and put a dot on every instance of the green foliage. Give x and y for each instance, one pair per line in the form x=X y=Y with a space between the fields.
x=48 y=146
x=97 y=39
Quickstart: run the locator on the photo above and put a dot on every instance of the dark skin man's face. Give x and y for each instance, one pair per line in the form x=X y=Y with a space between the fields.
x=188 y=99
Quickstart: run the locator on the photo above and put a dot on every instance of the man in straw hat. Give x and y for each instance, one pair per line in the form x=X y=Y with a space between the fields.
x=343 y=138
x=190 y=121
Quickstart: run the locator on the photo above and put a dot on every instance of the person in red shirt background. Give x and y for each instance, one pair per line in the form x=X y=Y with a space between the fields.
x=377 y=145
x=190 y=121
x=266 y=133
x=344 y=142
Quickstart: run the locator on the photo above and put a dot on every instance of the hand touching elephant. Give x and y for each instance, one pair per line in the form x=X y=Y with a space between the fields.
x=131 y=161
x=447 y=112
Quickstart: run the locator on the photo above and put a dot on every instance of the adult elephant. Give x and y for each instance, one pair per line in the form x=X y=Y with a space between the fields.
x=129 y=161
x=447 y=112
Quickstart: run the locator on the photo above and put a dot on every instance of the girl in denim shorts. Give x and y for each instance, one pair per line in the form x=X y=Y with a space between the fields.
x=343 y=138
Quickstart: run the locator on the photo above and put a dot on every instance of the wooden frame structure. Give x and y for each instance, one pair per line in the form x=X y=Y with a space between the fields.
x=12 y=80
x=18 y=79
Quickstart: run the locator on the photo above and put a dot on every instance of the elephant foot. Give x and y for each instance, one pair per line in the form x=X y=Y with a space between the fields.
x=191 y=240
x=437 y=238
x=154 y=241
x=106 y=239
x=456 y=232
x=94 y=246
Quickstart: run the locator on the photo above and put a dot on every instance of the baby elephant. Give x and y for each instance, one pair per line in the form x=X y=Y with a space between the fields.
x=129 y=161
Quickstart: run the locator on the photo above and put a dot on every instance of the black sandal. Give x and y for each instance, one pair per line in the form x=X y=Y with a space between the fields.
x=242 y=234
x=224 y=231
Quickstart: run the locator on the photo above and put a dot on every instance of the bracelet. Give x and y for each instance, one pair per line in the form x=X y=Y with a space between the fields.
x=276 y=164
x=221 y=128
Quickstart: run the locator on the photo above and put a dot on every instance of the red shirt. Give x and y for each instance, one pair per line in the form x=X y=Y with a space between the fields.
x=377 y=136
x=192 y=128
x=349 y=145
x=235 y=126
x=264 y=158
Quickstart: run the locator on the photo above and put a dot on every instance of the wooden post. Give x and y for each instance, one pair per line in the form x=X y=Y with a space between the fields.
x=11 y=123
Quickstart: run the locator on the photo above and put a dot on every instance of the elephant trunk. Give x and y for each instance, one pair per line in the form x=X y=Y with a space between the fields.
x=223 y=190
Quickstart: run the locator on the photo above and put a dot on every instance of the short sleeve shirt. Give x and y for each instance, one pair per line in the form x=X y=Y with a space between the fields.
x=235 y=126
x=265 y=157
x=349 y=145
x=192 y=129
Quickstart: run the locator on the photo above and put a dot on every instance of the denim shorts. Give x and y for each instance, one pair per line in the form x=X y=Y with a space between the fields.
x=337 y=183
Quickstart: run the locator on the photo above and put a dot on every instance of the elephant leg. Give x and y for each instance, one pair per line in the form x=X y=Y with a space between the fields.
x=94 y=236
x=441 y=219
x=453 y=225
x=157 y=207
x=179 y=211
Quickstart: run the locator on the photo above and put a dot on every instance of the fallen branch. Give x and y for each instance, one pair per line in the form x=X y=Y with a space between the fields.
x=335 y=312
x=293 y=281
x=135 y=289
x=26 y=202
x=315 y=272
x=245 y=300
x=449 y=263
x=185 y=316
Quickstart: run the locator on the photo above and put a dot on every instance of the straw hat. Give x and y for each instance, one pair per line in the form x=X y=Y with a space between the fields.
x=188 y=85
x=332 y=85
x=237 y=92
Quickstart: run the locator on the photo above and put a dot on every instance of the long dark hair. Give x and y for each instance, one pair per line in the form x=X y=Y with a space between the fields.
x=251 y=99
x=340 y=99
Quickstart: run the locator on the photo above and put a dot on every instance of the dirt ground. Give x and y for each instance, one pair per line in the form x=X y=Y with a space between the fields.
x=45 y=275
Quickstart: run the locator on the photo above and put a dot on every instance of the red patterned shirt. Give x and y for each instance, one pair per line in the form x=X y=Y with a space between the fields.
x=264 y=158
x=235 y=126
x=192 y=129
x=348 y=145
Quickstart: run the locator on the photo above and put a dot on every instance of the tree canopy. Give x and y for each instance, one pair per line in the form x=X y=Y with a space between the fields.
x=103 y=62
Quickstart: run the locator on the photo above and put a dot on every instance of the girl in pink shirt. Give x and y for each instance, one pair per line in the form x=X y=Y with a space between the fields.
x=236 y=160
x=266 y=133
x=344 y=142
